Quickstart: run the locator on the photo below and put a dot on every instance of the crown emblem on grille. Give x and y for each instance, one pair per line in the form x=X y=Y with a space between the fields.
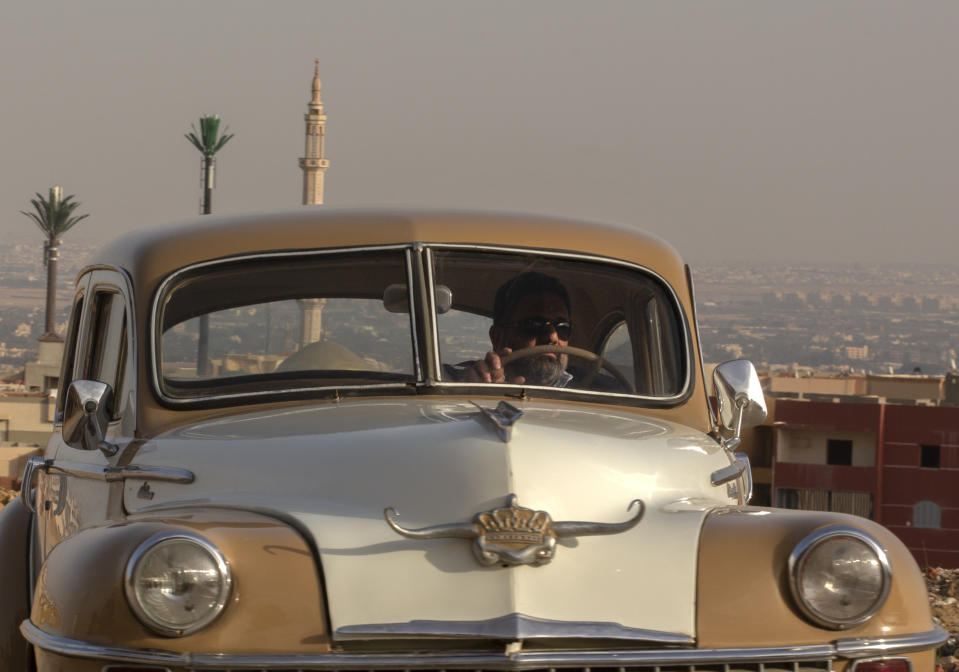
x=514 y=534
x=514 y=524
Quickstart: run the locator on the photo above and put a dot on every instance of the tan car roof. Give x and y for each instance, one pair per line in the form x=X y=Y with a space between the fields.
x=152 y=255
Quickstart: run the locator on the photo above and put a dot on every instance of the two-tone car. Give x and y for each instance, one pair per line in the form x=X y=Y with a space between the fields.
x=378 y=440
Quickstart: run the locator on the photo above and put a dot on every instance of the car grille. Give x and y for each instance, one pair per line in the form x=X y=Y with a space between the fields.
x=752 y=666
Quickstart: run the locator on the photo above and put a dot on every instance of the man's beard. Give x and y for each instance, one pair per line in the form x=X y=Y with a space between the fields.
x=540 y=370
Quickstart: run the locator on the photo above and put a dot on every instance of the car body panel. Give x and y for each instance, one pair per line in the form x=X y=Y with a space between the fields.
x=275 y=581
x=737 y=609
x=327 y=467
x=14 y=553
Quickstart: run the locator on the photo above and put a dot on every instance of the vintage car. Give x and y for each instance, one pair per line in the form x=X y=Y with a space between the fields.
x=306 y=441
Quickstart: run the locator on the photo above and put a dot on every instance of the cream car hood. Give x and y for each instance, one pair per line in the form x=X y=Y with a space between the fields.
x=333 y=469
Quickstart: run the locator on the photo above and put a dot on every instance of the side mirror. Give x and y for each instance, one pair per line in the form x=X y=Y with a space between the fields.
x=86 y=416
x=740 y=396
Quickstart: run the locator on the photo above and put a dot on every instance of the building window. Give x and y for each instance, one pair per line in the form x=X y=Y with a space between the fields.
x=847 y=501
x=926 y=514
x=787 y=498
x=929 y=456
x=839 y=451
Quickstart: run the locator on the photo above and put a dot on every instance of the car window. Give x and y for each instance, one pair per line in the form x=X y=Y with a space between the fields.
x=620 y=312
x=106 y=351
x=618 y=350
x=463 y=335
x=69 y=354
x=286 y=322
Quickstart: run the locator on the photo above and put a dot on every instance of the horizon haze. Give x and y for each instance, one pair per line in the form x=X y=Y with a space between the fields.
x=803 y=132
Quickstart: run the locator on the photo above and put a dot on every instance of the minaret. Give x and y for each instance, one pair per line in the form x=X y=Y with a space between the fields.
x=314 y=166
x=314 y=163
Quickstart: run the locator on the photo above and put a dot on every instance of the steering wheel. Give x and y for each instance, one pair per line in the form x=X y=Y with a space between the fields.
x=596 y=361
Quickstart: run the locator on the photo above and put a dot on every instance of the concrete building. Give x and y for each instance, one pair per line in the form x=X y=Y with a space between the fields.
x=26 y=421
x=43 y=375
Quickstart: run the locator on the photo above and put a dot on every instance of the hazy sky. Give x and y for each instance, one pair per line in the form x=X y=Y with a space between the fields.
x=771 y=130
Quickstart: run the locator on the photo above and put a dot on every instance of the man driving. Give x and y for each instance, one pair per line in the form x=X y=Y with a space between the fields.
x=529 y=310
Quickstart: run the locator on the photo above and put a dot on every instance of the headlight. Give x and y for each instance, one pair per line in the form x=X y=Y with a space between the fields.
x=839 y=576
x=177 y=583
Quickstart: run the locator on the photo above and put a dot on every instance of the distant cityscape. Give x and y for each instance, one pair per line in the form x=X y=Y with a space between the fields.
x=840 y=318
x=844 y=318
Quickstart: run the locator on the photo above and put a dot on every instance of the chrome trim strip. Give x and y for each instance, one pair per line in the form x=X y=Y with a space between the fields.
x=517 y=661
x=417 y=364
x=699 y=343
x=64 y=646
x=131 y=328
x=161 y=293
x=294 y=390
x=686 y=338
x=865 y=646
x=526 y=386
x=432 y=326
x=110 y=474
x=514 y=627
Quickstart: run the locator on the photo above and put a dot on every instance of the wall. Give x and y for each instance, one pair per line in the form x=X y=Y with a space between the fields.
x=905 y=387
x=12 y=461
x=906 y=483
x=818 y=385
x=897 y=483
x=809 y=446
x=26 y=418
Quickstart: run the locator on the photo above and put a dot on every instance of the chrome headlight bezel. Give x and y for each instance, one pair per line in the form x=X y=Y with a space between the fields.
x=219 y=560
x=801 y=554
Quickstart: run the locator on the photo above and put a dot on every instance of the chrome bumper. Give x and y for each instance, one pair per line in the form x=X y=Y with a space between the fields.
x=814 y=656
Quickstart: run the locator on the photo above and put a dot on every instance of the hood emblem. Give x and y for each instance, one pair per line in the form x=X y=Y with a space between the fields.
x=515 y=535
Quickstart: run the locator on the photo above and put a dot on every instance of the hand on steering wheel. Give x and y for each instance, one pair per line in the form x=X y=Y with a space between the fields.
x=597 y=361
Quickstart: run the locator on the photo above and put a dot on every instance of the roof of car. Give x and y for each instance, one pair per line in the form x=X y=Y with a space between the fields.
x=150 y=256
x=153 y=254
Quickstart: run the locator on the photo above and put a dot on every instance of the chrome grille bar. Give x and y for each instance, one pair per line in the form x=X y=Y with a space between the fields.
x=759 y=666
x=806 y=658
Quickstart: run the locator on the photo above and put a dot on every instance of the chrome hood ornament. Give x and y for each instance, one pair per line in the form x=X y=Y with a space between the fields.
x=503 y=417
x=515 y=535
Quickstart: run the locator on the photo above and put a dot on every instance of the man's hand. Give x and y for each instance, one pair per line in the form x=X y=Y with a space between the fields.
x=491 y=370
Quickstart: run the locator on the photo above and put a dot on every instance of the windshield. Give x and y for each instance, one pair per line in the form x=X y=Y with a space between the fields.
x=557 y=322
x=285 y=322
x=342 y=320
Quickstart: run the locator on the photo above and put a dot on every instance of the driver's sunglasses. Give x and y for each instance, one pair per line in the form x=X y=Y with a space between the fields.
x=533 y=327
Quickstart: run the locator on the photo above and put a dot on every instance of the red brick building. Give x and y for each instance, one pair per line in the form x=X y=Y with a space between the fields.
x=896 y=464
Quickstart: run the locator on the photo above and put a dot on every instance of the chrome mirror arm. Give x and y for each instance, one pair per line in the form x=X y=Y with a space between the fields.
x=741 y=405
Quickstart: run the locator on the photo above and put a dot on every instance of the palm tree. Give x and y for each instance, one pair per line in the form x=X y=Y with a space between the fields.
x=209 y=142
x=54 y=216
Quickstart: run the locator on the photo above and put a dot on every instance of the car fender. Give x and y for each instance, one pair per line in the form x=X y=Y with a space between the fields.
x=743 y=595
x=276 y=602
x=15 y=523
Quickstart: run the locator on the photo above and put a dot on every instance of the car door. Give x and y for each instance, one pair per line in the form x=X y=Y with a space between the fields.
x=74 y=490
